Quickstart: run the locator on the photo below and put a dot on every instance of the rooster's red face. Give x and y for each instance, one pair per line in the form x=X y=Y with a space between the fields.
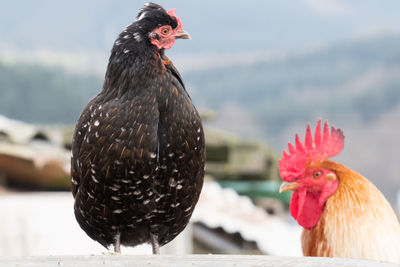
x=300 y=169
x=164 y=36
x=310 y=193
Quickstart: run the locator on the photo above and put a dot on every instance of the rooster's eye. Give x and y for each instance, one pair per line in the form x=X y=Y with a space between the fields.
x=165 y=31
x=317 y=174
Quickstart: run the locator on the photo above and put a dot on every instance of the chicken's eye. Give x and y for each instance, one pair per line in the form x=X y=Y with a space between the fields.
x=165 y=31
x=317 y=174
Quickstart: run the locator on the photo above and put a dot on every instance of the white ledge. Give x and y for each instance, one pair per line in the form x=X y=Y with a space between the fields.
x=185 y=260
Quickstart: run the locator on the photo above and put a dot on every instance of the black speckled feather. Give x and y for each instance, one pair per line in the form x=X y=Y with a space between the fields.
x=138 y=152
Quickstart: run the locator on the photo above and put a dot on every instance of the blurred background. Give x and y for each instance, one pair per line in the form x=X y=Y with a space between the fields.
x=258 y=71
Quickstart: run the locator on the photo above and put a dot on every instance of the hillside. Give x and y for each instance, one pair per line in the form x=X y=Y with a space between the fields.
x=357 y=79
x=35 y=93
x=356 y=86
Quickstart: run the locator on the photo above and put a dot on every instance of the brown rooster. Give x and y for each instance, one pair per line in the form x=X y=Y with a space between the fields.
x=342 y=213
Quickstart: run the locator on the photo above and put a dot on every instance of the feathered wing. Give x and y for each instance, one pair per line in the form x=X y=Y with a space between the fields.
x=181 y=155
x=78 y=137
x=112 y=134
x=115 y=151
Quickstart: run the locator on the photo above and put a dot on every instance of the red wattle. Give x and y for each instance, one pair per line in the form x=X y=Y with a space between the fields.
x=294 y=205
x=305 y=208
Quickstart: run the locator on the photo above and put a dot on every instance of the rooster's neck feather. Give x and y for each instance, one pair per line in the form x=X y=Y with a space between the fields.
x=357 y=222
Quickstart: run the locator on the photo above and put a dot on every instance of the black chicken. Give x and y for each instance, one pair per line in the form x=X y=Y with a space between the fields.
x=138 y=152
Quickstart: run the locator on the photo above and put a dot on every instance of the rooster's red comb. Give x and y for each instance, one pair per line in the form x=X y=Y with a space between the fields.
x=293 y=164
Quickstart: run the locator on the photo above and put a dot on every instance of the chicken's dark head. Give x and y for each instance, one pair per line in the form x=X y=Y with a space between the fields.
x=303 y=171
x=159 y=27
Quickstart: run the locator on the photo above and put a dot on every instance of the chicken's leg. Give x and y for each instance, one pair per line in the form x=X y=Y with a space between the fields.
x=154 y=243
x=117 y=243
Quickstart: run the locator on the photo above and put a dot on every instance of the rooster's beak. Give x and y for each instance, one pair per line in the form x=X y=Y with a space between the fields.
x=287 y=186
x=182 y=35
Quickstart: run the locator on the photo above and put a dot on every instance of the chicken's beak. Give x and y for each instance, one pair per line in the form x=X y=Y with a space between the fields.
x=287 y=186
x=182 y=35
